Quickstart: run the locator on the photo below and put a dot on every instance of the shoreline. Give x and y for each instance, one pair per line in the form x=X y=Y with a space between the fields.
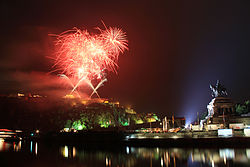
x=115 y=138
x=143 y=140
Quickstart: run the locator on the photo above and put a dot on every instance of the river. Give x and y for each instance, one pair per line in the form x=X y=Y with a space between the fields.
x=40 y=154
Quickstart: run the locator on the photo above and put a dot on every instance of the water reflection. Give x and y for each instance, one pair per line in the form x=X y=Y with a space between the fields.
x=17 y=146
x=36 y=147
x=64 y=151
x=248 y=153
x=132 y=156
x=75 y=155
x=31 y=146
x=10 y=146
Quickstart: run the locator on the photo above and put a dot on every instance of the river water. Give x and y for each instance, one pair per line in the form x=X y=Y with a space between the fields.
x=31 y=153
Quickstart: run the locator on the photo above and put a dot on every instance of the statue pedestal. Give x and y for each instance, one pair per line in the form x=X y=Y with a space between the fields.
x=222 y=106
x=219 y=109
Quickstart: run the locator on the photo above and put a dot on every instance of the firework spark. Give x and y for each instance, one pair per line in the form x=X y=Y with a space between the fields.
x=82 y=56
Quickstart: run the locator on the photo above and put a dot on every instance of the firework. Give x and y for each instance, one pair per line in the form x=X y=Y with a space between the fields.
x=84 y=57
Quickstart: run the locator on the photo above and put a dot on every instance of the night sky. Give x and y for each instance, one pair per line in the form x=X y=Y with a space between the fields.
x=175 y=50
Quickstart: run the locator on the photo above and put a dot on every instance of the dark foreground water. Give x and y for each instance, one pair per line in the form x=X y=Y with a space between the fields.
x=84 y=155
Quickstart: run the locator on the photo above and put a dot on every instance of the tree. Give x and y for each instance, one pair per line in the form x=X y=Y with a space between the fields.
x=105 y=119
x=247 y=104
x=68 y=124
x=241 y=109
x=78 y=125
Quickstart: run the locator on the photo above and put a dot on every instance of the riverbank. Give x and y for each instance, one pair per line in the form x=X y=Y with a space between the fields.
x=114 y=138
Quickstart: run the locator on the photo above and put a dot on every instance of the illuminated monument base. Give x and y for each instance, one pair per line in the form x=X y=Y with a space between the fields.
x=220 y=106
x=222 y=112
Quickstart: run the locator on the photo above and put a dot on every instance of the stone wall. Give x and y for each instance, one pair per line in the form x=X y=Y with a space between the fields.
x=231 y=119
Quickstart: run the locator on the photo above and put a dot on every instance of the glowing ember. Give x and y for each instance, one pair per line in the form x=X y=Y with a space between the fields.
x=84 y=57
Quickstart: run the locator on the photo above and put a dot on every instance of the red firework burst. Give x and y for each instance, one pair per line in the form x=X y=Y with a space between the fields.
x=84 y=56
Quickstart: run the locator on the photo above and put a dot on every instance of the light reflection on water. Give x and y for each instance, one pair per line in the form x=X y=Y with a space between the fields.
x=13 y=146
x=163 y=156
x=75 y=155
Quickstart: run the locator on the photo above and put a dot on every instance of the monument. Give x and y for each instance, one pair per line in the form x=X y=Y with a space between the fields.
x=220 y=107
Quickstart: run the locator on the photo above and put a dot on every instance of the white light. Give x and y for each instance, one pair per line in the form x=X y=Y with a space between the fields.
x=141 y=137
x=127 y=150
x=36 y=147
x=1 y=144
x=248 y=153
x=225 y=160
x=225 y=132
x=175 y=137
x=132 y=136
x=107 y=161
x=161 y=162
x=228 y=153
x=66 y=151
